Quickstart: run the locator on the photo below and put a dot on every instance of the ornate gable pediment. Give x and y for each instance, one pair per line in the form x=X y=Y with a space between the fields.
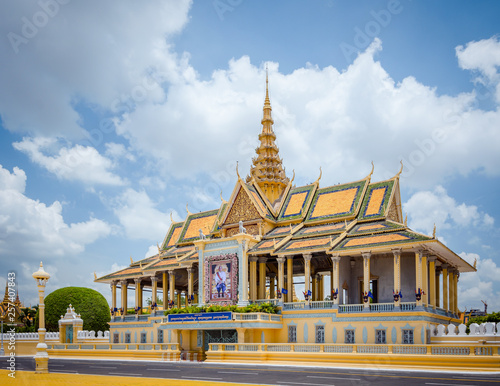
x=242 y=209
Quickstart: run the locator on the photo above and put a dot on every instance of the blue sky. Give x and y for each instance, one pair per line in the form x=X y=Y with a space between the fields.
x=115 y=114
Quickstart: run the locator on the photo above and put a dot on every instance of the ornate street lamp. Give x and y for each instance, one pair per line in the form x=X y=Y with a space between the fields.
x=41 y=358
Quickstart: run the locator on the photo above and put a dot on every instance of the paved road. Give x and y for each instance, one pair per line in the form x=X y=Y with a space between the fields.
x=260 y=374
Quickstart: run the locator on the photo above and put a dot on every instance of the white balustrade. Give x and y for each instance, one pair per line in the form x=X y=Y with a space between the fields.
x=452 y=329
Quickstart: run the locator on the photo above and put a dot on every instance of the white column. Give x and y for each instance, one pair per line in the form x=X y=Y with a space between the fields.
x=307 y=272
x=154 y=286
x=281 y=275
x=397 y=275
x=418 y=274
x=366 y=277
x=335 y=277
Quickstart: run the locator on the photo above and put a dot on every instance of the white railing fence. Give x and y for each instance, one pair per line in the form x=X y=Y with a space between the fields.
x=486 y=329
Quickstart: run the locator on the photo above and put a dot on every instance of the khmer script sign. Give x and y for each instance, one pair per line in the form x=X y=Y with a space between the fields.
x=201 y=317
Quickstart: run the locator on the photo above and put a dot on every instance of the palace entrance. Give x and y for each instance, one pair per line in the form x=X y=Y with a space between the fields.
x=219 y=336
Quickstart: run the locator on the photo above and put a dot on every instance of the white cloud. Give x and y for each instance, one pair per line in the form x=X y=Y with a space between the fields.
x=483 y=285
x=117 y=151
x=427 y=208
x=139 y=216
x=483 y=56
x=101 y=57
x=30 y=229
x=79 y=163
x=320 y=116
x=15 y=181
x=152 y=250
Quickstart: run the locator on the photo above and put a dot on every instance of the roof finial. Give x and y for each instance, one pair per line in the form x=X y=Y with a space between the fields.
x=320 y=174
x=171 y=217
x=222 y=199
x=434 y=231
x=400 y=170
x=95 y=276
x=406 y=219
x=131 y=261
x=373 y=168
x=267 y=83
x=293 y=176
x=187 y=210
x=237 y=172
x=159 y=250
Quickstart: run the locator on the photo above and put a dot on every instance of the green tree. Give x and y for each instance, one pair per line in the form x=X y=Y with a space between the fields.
x=90 y=304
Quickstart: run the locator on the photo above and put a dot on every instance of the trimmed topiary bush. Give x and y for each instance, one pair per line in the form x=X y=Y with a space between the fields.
x=90 y=304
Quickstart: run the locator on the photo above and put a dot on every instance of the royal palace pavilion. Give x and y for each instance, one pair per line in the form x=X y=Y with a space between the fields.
x=385 y=283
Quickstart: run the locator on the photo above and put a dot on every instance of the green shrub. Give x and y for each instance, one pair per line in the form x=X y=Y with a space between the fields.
x=267 y=308
x=90 y=304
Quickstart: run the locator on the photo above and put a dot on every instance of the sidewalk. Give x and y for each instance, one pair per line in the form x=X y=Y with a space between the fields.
x=29 y=378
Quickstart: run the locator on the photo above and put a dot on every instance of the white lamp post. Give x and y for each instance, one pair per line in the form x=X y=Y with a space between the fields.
x=41 y=358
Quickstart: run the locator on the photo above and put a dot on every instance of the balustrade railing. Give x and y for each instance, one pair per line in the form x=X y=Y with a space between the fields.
x=445 y=350
x=294 y=306
x=114 y=346
x=350 y=308
x=408 y=306
x=261 y=316
x=321 y=304
x=270 y=301
x=382 y=307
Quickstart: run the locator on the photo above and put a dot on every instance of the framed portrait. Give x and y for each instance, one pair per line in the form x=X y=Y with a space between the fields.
x=221 y=279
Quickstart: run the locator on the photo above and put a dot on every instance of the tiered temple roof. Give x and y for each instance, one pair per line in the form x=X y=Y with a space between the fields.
x=341 y=219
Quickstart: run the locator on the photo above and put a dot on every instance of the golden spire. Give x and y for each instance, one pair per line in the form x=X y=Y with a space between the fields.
x=267 y=168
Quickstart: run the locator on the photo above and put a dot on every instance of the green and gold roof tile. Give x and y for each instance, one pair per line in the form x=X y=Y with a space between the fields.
x=191 y=229
x=375 y=227
x=179 y=251
x=376 y=200
x=172 y=235
x=220 y=215
x=314 y=244
x=263 y=246
x=124 y=273
x=165 y=263
x=380 y=240
x=278 y=232
x=316 y=230
x=336 y=202
x=296 y=203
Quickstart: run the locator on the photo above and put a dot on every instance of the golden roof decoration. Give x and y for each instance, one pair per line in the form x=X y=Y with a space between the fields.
x=267 y=168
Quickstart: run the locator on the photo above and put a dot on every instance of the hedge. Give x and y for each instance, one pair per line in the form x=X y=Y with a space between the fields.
x=90 y=304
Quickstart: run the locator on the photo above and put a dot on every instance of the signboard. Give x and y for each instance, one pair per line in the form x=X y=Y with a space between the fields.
x=201 y=317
